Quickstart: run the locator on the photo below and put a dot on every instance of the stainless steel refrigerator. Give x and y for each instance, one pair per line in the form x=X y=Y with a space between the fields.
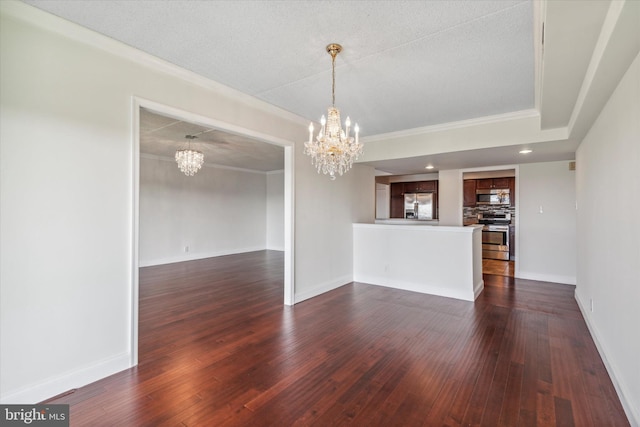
x=418 y=205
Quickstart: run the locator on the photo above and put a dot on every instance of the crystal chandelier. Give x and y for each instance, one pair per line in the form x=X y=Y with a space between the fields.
x=333 y=150
x=189 y=161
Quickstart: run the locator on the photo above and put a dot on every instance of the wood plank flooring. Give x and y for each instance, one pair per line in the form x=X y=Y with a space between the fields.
x=218 y=348
x=499 y=267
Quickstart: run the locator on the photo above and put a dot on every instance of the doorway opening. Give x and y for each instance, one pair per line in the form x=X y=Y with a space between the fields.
x=490 y=199
x=171 y=225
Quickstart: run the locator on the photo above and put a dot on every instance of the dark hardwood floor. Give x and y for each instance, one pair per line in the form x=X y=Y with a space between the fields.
x=218 y=348
x=499 y=267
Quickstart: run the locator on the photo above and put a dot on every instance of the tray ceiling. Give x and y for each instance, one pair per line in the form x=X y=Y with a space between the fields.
x=405 y=64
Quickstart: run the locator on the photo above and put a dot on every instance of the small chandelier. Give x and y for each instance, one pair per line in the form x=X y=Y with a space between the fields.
x=189 y=161
x=333 y=150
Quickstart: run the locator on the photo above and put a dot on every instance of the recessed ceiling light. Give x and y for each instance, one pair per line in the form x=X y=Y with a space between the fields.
x=526 y=151
x=429 y=167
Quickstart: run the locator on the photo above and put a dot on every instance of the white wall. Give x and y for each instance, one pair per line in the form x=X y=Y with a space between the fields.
x=275 y=210
x=66 y=217
x=546 y=241
x=450 y=197
x=608 y=272
x=324 y=223
x=217 y=211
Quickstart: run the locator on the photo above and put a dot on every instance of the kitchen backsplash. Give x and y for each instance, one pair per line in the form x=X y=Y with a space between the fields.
x=471 y=214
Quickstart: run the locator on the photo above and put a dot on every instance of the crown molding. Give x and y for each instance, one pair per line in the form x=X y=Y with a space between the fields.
x=516 y=115
x=49 y=22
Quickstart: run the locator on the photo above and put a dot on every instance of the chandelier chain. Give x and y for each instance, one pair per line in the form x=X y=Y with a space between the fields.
x=333 y=79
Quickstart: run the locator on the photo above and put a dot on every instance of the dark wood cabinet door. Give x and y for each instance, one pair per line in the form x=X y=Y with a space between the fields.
x=420 y=186
x=469 y=193
x=411 y=187
x=498 y=183
x=512 y=191
x=397 y=189
x=483 y=184
x=397 y=207
x=501 y=183
x=427 y=186
x=397 y=200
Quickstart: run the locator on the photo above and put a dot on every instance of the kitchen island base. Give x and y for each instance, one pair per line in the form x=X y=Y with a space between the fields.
x=436 y=260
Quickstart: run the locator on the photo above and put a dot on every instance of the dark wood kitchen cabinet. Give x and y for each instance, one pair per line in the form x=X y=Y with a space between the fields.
x=410 y=187
x=483 y=184
x=397 y=200
x=420 y=186
x=469 y=193
x=501 y=182
x=495 y=183
x=489 y=183
x=398 y=189
x=512 y=191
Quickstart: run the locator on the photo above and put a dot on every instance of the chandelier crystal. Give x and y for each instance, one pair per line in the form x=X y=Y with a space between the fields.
x=333 y=150
x=189 y=161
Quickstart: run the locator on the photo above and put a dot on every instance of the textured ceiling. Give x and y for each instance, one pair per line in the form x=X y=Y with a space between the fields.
x=405 y=64
x=162 y=136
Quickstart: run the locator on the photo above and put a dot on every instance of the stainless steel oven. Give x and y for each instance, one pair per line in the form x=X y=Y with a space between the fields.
x=495 y=242
x=495 y=234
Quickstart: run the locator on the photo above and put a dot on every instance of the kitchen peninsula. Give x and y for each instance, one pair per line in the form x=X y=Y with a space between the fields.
x=431 y=259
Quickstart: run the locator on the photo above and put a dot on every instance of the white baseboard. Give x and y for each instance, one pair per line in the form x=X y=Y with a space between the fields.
x=423 y=288
x=276 y=248
x=478 y=289
x=192 y=256
x=322 y=288
x=632 y=412
x=541 y=277
x=53 y=386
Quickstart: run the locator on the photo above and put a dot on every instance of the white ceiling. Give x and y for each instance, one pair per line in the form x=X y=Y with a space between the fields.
x=162 y=136
x=405 y=64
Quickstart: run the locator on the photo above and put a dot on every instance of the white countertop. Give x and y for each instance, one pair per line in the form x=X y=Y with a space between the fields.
x=419 y=226
x=402 y=221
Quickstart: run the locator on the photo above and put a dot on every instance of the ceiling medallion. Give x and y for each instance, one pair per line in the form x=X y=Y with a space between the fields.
x=333 y=150
x=189 y=161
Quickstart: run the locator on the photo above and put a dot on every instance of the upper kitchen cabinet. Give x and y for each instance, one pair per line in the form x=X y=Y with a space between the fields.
x=512 y=191
x=420 y=186
x=471 y=185
x=469 y=193
x=488 y=183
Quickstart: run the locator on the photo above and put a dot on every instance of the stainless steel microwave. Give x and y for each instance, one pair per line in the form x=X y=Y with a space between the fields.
x=493 y=196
